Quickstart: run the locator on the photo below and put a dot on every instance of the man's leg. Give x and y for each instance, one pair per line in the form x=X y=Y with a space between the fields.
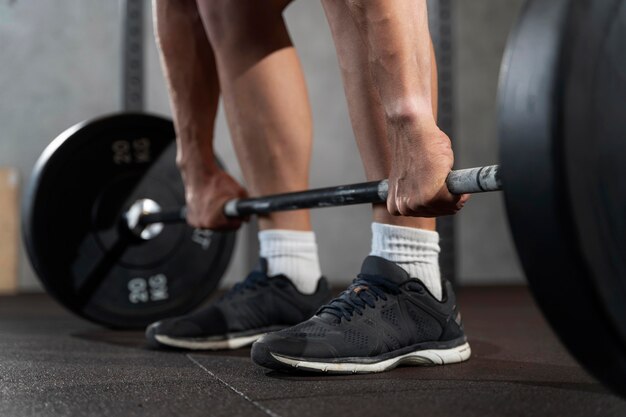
x=396 y=311
x=364 y=104
x=398 y=49
x=189 y=68
x=268 y=112
x=409 y=241
x=265 y=99
x=273 y=148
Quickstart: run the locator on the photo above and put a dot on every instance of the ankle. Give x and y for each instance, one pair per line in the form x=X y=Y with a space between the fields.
x=381 y=215
x=292 y=221
x=293 y=254
x=414 y=250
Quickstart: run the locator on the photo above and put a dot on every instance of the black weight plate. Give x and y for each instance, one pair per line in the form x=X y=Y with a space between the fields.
x=594 y=126
x=82 y=252
x=535 y=135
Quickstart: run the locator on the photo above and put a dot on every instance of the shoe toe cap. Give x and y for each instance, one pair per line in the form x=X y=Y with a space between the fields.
x=284 y=343
x=172 y=328
x=261 y=354
x=151 y=332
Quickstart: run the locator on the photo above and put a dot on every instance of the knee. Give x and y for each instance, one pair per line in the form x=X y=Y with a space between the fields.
x=220 y=18
x=170 y=13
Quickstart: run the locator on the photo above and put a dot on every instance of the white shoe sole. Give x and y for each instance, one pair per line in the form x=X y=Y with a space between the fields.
x=426 y=357
x=198 y=344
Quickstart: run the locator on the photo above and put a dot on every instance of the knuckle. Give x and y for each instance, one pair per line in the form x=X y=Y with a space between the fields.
x=405 y=210
x=392 y=209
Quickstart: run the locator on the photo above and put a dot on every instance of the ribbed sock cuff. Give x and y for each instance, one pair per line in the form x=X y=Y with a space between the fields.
x=293 y=254
x=415 y=250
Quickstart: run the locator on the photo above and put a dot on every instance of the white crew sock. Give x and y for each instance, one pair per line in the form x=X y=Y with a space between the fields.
x=293 y=254
x=415 y=250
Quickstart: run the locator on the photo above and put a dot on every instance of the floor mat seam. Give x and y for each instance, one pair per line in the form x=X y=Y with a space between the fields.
x=232 y=388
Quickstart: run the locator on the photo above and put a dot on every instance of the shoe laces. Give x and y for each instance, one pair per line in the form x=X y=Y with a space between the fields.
x=364 y=291
x=254 y=280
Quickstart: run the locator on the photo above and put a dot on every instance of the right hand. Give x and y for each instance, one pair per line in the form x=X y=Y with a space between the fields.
x=422 y=161
x=206 y=195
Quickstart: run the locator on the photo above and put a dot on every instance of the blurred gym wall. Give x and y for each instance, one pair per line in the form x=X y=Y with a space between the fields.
x=61 y=64
x=485 y=251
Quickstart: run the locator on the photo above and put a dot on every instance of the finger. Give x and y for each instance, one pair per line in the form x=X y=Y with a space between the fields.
x=242 y=193
x=392 y=206
x=412 y=207
x=447 y=208
x=228 y=226
x=219 y=222
x=405 y=208
x=220 y=215
x=446 y=198
x=458 y=202
x=462 y=200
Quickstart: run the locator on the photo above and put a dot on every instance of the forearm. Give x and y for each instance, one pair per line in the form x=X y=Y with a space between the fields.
x=402 y=67
x=189 y=68
x=399 y=51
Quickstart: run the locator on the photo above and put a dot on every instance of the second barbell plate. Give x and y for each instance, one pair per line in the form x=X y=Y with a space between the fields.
x=563 y=159
x=594 y=159
x=82 y=185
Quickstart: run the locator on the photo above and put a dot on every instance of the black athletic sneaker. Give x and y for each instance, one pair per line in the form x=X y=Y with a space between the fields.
x=258 y=305
x=382 y=320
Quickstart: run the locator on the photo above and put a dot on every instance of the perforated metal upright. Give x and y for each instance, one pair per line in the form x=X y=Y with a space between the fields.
x=132 y=85
x=440 y=19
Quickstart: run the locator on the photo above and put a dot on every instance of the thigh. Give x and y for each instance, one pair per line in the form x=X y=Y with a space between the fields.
x=281 y=4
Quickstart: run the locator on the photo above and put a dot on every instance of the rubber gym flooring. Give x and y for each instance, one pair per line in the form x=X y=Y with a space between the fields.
x=55 y=364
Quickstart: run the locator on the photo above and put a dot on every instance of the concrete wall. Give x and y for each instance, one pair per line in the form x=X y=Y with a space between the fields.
x=485 y=250
x=60 y=64
x=56 y=61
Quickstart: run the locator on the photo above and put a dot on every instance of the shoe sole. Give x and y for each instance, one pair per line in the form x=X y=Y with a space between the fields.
x=214 y=343
x=199 y=344
x=428 y=357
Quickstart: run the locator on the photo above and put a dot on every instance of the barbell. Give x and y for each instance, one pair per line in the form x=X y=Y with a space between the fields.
x=145 y=219
x=103 y=214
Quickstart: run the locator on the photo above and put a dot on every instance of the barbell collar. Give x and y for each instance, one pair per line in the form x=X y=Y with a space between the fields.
x=175 y=216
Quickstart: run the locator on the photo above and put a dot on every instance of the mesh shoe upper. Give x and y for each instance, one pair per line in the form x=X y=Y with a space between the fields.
x=259 y=303
x=383 y=312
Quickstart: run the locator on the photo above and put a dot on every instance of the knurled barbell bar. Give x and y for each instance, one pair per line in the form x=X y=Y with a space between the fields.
x=145 y=218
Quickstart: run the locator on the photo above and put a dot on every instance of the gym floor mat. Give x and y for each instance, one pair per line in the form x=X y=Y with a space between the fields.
x=54 y=364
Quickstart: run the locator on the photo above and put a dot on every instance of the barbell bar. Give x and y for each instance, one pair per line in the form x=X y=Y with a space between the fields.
x=463 y=181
